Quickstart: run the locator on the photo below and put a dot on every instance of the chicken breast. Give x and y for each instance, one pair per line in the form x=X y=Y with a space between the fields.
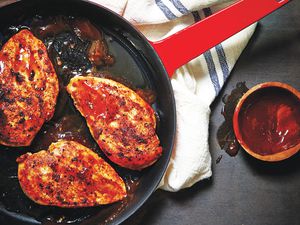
x=28 y=89
x=121 y=122
x=69 y=175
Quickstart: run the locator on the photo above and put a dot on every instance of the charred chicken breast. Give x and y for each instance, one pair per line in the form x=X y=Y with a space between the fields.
x=28 y=89
x=69 y=175
x=121 y=122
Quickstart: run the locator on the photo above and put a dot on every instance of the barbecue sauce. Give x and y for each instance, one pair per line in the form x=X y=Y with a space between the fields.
x=270 y=121
x=99 y=106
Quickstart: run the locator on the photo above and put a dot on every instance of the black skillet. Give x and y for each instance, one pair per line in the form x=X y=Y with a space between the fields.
x=136 y=61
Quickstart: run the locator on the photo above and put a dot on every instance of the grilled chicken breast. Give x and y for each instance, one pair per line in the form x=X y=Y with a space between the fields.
x=121 y=122
x=28 y=89
x=69 y=175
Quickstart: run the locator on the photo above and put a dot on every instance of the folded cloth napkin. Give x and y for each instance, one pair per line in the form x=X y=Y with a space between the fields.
x=195 y=84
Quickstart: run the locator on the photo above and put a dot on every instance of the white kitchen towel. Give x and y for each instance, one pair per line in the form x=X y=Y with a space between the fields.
x=195 y=84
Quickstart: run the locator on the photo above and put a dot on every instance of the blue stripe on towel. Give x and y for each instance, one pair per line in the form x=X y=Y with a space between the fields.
x=220 y=51
x=196 y=16
x=179 y=6
x=212 y=71
x=168 y=13
x=207 y=12
x=223 y=61
x=210 y=62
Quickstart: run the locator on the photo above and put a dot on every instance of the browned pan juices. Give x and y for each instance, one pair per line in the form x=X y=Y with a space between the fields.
x=67 y=122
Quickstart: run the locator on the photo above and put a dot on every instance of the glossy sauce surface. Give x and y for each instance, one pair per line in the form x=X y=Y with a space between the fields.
x=98 y=105
x=270 y=121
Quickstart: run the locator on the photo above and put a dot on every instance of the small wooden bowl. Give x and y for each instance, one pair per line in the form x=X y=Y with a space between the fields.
x=237 y=129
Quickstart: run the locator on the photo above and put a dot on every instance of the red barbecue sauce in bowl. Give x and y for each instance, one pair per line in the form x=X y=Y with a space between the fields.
x=266 y=121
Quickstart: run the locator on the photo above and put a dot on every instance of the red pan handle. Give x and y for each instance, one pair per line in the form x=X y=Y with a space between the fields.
x=183 y=46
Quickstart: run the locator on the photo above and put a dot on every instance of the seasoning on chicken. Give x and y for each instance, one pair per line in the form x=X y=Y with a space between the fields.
x=28 y=89
x=69 y=175
x=122 y=123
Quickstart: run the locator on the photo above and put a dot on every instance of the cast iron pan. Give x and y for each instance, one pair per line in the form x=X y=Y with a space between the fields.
x=137 y=60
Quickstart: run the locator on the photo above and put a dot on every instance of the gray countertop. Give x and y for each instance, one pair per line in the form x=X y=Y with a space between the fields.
x=242 y=190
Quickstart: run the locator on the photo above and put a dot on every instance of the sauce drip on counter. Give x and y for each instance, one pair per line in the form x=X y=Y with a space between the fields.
x=226 y=138
x=270 y=121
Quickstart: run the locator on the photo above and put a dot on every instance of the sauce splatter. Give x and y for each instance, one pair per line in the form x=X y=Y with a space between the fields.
x=225 y=133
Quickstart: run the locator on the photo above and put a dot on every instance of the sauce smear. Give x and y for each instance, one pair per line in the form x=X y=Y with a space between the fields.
x=270 y=121
x=225 y=134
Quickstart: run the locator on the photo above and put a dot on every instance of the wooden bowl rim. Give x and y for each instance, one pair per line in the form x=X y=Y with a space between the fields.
x=273 y=157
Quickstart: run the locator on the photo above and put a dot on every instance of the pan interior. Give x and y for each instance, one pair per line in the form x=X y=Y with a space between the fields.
x=136 y=62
